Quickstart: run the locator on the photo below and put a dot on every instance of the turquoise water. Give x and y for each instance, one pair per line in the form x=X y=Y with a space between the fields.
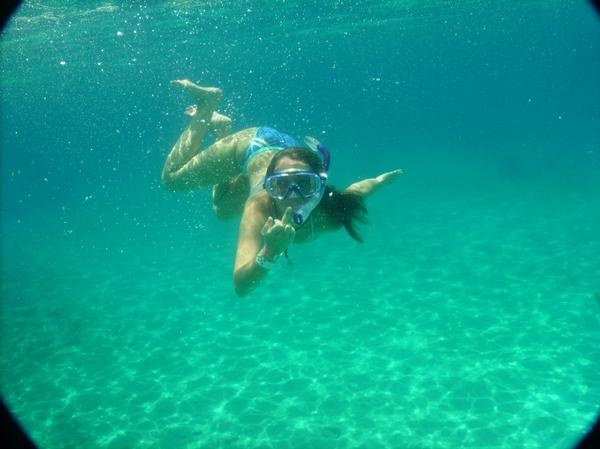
x=468 y=318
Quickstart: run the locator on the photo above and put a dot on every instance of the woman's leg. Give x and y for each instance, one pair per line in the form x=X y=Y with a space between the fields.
x=229 y=197
x=187 y=167
x=220 y=125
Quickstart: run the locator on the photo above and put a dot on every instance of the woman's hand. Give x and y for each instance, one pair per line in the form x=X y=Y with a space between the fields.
x=366 y=187
x=278 y=234
x=388 y=177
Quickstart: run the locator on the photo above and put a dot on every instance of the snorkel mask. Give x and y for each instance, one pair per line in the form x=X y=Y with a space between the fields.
x=306 y=185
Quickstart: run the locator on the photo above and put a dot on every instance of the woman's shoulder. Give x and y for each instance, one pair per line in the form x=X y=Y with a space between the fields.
x=258 y=204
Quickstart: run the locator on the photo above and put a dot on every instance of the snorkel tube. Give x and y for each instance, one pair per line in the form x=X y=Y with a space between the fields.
x=302 y=212
x=324 y=152
x=320 y=149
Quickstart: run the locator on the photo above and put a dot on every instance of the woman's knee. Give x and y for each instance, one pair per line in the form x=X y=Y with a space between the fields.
x=224 y=213
x=228 y=197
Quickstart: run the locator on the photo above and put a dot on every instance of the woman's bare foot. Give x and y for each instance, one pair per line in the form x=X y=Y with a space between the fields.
x=206 y=97
x=220 y=125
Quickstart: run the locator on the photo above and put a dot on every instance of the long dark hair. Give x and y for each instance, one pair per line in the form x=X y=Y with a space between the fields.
x=344 y=208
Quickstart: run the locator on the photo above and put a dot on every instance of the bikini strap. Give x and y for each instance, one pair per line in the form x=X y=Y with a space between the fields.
x=256 y=187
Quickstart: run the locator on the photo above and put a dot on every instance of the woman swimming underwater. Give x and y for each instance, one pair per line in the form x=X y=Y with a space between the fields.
x=277 y=184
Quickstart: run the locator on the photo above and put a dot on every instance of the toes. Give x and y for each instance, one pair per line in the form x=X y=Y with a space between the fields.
x=191 y=110
x=220 y=119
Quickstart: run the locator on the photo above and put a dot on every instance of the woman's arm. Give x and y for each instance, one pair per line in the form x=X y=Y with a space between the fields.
x=366 y=187
x=246 y=272
x=259 y=235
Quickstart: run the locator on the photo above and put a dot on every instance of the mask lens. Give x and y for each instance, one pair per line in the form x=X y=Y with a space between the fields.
x=307 y=184
x=282 y=185
x=278 y=187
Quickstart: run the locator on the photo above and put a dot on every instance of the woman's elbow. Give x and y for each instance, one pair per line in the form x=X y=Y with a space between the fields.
x=241 y=292
x=240 y=288
x=241 y=285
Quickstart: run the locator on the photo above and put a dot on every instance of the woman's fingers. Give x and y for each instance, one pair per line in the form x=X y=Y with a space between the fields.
x=287 y=216
x=390 y=176
x=267 y=226
x=180 y=83
x=277 y=233
x=290 y=233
